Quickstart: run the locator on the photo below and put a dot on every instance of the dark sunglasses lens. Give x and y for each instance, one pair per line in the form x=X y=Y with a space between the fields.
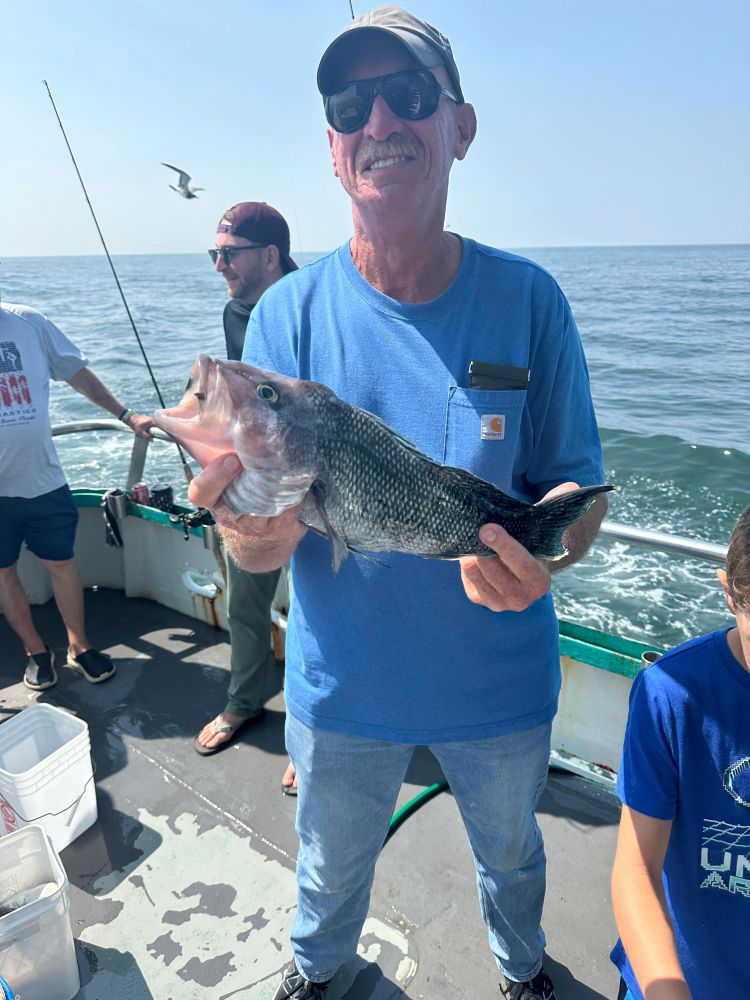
x=213 y=254
x=412 y=96
x=349 y=109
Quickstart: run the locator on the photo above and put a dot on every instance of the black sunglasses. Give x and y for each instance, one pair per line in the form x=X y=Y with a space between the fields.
x=413 y=94
x=228 y=254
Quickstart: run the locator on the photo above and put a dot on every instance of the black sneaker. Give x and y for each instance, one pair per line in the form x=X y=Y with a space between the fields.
x=538 y=988
x=95 y=666
x=40 y=672
x=294 y=986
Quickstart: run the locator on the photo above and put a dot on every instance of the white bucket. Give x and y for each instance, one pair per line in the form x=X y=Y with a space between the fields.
x=37 y=955
x=46 y=775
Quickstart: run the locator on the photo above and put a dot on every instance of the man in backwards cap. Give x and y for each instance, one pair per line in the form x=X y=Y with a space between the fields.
x=251 y=254
x=473 y=355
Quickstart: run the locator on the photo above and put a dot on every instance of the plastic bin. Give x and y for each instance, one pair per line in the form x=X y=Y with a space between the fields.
x=37 y=954
x=46 y=775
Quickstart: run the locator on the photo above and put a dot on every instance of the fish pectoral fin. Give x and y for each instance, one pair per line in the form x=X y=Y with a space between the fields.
x=339 y=546
x=369 y=558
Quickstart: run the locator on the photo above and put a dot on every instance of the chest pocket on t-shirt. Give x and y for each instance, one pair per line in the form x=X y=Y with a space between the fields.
x=482 y=428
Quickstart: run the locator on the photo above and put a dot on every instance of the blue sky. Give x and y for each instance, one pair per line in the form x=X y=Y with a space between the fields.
x=599 y=122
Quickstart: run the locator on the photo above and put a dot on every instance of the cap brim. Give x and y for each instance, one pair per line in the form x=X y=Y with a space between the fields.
x=330 y=64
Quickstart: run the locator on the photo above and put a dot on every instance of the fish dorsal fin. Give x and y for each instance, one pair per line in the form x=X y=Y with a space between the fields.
x=405 y=442
x=339 y=547
x=487 y=492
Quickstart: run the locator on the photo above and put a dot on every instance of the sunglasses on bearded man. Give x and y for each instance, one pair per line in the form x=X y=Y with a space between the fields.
x=412 y=94
x=228 y=254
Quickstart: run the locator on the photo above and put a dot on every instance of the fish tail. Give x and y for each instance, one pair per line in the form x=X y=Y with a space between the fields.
x=549 y=519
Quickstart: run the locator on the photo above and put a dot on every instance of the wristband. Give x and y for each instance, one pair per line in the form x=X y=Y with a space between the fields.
x=123 y=417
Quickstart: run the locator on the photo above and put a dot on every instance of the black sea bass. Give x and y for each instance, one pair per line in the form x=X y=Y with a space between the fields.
x=363 y=485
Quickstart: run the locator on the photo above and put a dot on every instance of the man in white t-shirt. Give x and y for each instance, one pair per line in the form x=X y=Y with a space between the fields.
x=36 y=505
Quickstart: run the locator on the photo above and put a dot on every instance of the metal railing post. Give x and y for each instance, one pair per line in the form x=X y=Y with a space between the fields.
x=137 y=461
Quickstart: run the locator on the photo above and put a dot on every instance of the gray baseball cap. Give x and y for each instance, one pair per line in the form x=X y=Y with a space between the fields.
x=426 y=44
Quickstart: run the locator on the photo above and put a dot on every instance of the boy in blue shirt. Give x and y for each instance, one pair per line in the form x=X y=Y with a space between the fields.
x=681 y=878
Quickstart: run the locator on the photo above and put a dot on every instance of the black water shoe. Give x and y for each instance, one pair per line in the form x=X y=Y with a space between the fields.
x=95 y=666
x=538 y=988
x=294 y=986
x=40 y=672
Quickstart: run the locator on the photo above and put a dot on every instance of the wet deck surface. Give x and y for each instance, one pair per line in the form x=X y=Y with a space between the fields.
x=184 y=887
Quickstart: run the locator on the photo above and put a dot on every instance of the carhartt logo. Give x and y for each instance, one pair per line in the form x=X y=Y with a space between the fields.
x=493 y=427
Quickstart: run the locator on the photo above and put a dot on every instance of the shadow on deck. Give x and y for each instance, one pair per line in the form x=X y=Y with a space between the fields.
x=184 y=887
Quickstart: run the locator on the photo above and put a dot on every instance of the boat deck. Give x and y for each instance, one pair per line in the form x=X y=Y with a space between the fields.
x=184 y=887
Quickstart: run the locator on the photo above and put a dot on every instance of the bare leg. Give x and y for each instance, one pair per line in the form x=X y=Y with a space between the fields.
x=15 y=606
x=68 y=591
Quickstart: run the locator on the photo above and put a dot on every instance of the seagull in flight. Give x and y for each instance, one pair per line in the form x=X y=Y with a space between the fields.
x=184 y=187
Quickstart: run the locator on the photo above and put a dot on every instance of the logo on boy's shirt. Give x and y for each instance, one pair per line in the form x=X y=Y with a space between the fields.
x=725 y=857
x=737 y=781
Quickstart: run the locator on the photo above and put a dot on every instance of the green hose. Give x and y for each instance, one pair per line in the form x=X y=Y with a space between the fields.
x=402 y=814
x=412 y=805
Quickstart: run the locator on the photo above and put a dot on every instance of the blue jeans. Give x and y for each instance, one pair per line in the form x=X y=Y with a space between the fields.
x=348 y=787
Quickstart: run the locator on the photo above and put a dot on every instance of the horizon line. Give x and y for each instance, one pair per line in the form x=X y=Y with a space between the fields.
x=526 y=246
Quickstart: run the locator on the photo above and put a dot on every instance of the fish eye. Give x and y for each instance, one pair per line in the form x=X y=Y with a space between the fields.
x=200 y=396
x=268 y=393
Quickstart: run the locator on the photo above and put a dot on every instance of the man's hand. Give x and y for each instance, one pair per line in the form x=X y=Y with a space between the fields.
x=510 y=581
x=258 y=544
x=140 y=424
x=515 y=579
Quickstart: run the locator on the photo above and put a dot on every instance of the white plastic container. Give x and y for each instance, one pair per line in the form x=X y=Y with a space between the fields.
x=37 y=955
x=46 y=775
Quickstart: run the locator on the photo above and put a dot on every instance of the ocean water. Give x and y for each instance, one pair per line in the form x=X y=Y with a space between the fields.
x=666 y=333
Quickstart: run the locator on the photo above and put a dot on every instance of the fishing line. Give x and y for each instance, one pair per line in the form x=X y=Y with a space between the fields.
x=351 y=8
x=185 y=466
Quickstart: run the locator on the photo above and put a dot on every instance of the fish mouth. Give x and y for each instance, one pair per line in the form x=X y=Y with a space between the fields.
x=199 y=422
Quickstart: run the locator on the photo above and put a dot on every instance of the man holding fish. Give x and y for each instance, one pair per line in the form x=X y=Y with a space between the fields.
x=473 y=356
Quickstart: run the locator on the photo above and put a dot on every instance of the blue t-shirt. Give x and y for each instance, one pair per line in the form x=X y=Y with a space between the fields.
x=687 y=759
x=393 y=649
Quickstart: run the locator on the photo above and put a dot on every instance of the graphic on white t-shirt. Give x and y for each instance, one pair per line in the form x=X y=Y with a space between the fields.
x=15 y=395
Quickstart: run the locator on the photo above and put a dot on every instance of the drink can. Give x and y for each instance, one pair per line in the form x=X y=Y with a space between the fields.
x=162 y=497
x=141 y=494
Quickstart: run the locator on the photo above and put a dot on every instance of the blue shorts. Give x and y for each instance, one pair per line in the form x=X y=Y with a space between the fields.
x=47 y=524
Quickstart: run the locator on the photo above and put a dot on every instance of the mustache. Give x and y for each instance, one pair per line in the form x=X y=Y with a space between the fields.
x=371 y=151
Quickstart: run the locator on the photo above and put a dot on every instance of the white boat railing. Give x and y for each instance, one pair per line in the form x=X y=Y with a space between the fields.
x=664 y=542
x=140 y=445
x=661 y=540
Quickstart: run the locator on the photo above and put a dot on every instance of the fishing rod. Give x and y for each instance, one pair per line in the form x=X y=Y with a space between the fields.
x=188 y=472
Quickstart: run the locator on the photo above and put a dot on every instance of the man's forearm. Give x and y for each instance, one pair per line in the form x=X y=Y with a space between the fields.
x=85 y=382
